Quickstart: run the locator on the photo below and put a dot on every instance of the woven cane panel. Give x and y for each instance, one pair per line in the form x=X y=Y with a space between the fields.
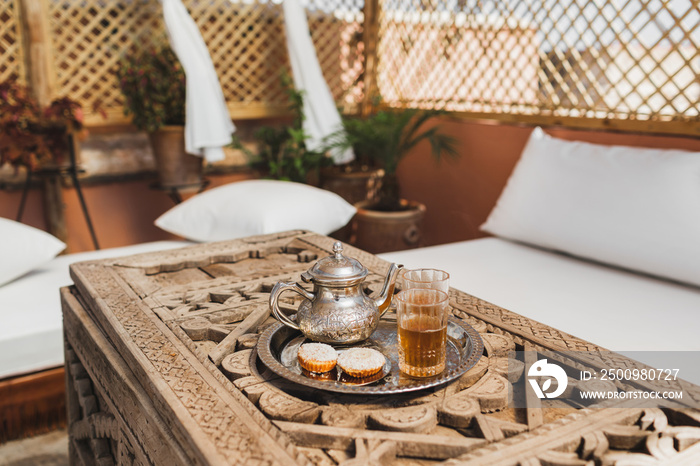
x=246 y=41
x=11 y=64
x=616 y=59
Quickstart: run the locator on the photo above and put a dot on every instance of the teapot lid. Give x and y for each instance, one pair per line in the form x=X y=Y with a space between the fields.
x=336 y=269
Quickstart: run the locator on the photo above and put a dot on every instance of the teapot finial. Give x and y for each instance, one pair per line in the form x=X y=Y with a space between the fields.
x=338 y=250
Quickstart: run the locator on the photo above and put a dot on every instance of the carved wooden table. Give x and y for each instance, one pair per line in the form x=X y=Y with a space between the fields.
x=161 y=370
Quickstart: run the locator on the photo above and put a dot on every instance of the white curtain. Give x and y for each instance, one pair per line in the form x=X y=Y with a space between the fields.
x=322 y=116
x=208 y=126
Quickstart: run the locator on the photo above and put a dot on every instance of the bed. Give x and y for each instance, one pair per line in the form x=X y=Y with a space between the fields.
x=631 y=313
x=30 y=310
x=601 y=242
x=31 y=335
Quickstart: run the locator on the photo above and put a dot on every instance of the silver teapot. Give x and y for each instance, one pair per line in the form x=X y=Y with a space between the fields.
x=338 y=311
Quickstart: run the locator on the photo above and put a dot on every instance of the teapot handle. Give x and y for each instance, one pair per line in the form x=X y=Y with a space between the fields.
x=277 y=290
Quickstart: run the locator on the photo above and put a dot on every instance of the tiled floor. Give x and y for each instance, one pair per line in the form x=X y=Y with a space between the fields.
x=44 y=450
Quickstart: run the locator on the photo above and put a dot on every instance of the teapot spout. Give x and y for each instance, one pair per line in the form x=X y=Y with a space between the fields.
x=384 y=299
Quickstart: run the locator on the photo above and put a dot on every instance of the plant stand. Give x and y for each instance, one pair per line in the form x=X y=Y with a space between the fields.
x=174 y=191
x=54 y=198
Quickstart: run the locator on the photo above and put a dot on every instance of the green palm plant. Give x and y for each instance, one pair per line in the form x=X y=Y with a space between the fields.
x=282 y=152
x=385 y=138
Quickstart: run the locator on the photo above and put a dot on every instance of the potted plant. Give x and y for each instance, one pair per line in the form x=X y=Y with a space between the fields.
x=282 y=153
x=360 y=179
x=355 y=181
x=34 y=136
x=152 y=81
x=388 y=222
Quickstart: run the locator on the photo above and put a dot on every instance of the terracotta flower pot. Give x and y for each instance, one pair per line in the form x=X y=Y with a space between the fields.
x=353 y=186
x=176 y=168
x=379 y=231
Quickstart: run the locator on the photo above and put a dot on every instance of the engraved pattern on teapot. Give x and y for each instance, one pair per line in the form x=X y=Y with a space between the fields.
x=337 y=311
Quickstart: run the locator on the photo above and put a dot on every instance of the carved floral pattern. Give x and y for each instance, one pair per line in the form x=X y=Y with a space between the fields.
x=206 y=293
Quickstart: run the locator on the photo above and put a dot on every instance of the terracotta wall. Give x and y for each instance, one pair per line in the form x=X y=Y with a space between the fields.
x=460 y=194
x=122 y=212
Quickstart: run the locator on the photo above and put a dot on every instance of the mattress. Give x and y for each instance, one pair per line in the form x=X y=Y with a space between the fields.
x=616 y=309
x=31 y=333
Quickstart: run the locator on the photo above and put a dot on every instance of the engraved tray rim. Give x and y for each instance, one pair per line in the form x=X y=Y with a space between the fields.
x=265 y=353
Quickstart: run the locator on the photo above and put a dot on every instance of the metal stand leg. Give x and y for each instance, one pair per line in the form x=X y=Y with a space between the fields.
x=25 y=193
x=175 y=195
x=73 y=172
x=74 y=175
x=86 y=214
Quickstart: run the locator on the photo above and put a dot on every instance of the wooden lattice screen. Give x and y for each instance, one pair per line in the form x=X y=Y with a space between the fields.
x=600 y=62
x=246 y=41
x=628 y=64
x=11 y=59
x=88 y=39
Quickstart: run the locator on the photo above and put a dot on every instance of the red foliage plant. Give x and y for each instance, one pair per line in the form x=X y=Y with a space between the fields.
x=31 y=135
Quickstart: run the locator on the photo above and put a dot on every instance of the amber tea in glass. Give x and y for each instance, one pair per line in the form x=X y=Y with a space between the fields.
x=422 y=331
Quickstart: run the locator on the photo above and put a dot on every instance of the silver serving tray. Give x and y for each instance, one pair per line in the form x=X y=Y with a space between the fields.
x=278 y=345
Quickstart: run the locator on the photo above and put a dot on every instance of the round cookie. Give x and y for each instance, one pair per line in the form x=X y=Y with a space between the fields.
x=361 y=362
x=317 y=357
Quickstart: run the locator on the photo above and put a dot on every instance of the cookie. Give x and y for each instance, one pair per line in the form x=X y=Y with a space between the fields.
x=361 y=362
x=317 y=357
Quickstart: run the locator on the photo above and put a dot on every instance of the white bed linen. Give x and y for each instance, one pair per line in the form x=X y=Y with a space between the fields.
x=31 y=322
x=618 y=310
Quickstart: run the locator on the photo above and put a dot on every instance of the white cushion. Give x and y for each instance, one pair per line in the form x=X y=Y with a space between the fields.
x=31 y=322
x=23 y=248
x=636 y=208
x=615 y=309
x=256 y=207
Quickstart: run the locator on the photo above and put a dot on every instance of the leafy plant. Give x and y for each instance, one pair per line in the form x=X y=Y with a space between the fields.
x=384 y=139
x=152 y=81
x=31 y=135
x=282 y=150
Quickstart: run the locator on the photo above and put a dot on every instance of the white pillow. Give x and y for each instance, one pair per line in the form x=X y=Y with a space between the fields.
x=256 y=207
x=636 y=208
x=23 y=248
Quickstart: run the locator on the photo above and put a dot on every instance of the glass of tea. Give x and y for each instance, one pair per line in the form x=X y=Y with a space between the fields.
x=422 y=316
x=425 y=278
